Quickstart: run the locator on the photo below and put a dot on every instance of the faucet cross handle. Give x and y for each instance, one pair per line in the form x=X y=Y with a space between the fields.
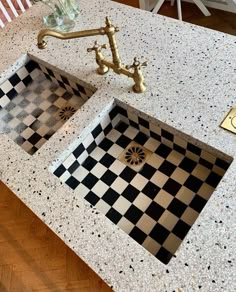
x=97 y=48
x=136 y=64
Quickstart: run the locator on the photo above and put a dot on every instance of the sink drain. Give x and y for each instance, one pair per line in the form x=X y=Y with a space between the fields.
x=66 y=113
x=135 y=155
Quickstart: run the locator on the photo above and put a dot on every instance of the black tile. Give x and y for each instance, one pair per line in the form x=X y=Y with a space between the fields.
x=72 y=182
x=151 y=190
x=31 y=65
x=133 y=214
x=65 y=80
x=89 y=163
x=27 y=80
x=110 y=196
x=128 y=174
x=52 y=97
x=205 y=163
x=52 y=109
x=159 y=233
x=79 y=150
x=141 y=138
x=107 y=129
x=194 y=149
x=138 y=235
x=123 y=141
x=90 y=180
x=50 y=72
x=193 y=183
x=73 y=167
x=133 y=124
x=76 y=92
x=163 y=255
x=143 y=123
x=34 y=138
x=187 y=164
x=122 y=111
x=14 y=80
x=12 y=93
x=20 y=140
x=130 y=193
x=176 y=207
x=197 y=203
x=167 y=135
x=213 y=179
x=155 y=136
x=155 y=211
x=172 y=187
x=121 y=127
x=37 y=112
x=163 y=151
x=167 y=168
x=61 y=84
x=60 y=170
x=107 y=160
x=81 y=88
x=219 y=162
x=113 y=215
x=1 y=93
x=181 y=229
x=21 y=127
x=91 y=147
x=179 y=149
x=108 y=177
x=147 y=171
x=92 y=198
x=97 y=131
x=113 y=113
x=24 y=103
x=106 y=144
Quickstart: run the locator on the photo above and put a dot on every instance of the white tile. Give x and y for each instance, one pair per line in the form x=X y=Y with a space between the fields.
x=6 y=86
x=208 y=156
x=139 y=181
x=131 y=132
x=105 y=121
x=22 y=73
x=113 y=135
x=155 y=160
x=146 y=223
x=103 y=207
x=65 y=176
x=82 y=157
x=180 y=141
x=45 y=105
x=88 y=140
x=30 y=108
x=115 y=150
x=155 y=129
x=98 y=170
x=13 y=123
x=180 y=175
x=27 y=146
x=15 y=111
x=60 y=102
x=80 y=172
x=4 y=101
x=151 y=245
x=172 y=243
x=27 y=133
x=99 y=138
x=121 y=205
x=152 y=144
x=142 y=202
x=192 y=156
x=29 y=120
x=159 y=179
x=144 y=130
x=44 y=117
x=100 y=188
x=133 y=117
x=82 y=190
x=168 y=220
x=69 y=161
x=20 y=87
x=201 y=172
x=189 y=216
x=115 y=121
x=117 y=167
x=185 y=195
x=119 y=185
x=40 y=143
x=125 y=225
x=175 y=157
x=97 y=153
x=43 y=130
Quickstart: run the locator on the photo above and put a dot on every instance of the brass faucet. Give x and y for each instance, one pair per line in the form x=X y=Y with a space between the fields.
x=103 y=64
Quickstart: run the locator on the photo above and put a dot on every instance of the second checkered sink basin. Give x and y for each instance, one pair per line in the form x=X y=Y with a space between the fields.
x=146 y=177
x=36 y=101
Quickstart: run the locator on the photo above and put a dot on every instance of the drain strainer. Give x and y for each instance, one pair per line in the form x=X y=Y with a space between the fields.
x=66 y=113
x=135 y=156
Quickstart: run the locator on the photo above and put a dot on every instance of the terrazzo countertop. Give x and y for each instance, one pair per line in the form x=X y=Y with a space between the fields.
x=191 y=85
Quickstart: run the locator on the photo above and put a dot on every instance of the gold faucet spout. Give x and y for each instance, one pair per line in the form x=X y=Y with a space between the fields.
x=66 y=36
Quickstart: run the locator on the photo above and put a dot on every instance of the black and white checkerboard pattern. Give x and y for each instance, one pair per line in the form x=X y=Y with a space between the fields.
x=157 y=205
x=31 y=102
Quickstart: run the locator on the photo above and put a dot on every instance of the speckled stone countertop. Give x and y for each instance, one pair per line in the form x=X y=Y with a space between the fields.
x=191 y=78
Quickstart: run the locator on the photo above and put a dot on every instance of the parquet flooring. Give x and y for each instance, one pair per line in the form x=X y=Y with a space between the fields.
x=219 y=20
x=33 y=258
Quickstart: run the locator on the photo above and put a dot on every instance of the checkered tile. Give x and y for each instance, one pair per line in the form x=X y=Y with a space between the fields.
x=157 y=205
x=35 y=102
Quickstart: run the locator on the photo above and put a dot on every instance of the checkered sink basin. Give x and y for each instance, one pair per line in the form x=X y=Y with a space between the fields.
x=36 y=101
x=149 y=179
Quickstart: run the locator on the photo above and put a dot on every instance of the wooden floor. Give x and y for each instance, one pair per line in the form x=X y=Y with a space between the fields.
x=219 y=20
x=33 y=258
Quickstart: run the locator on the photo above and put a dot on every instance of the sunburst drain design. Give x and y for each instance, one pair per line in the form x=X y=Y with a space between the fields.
x=135 y=155
x=66 y=113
